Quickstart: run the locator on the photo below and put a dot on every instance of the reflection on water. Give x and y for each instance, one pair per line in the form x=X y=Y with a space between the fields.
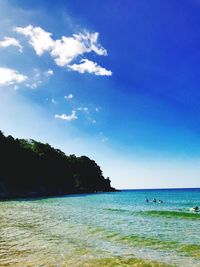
x=113 y=229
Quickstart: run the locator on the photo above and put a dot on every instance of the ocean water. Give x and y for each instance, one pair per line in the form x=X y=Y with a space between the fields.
x=105 y=229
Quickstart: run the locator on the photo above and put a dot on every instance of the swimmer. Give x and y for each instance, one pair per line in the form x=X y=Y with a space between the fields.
x=196 y=209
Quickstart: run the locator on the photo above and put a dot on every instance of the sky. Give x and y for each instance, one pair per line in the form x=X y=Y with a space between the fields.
x=114 y=80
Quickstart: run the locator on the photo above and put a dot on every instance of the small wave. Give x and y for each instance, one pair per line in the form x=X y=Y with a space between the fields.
x=117 y=210
x=122 y=261
x=191 y=249
x=172 y=214
x=96 y=230
x=149 y=242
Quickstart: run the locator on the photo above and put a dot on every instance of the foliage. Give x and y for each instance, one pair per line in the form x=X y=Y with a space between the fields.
x=31 y=168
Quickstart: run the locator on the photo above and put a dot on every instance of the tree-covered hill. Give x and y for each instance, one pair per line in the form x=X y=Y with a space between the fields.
x=30 y=168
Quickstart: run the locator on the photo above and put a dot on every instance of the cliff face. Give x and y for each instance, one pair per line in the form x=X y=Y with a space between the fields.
x=30 y=168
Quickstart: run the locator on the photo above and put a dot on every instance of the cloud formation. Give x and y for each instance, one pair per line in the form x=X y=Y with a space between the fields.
x=9 y=41
x=66 y=49
x=38 y=78
x=70 y=96
x=84 y=109
x=53 y=101
x=39 y=39
x=65 y=117
x=49 y=73
x=11 y=77
x=90 y=67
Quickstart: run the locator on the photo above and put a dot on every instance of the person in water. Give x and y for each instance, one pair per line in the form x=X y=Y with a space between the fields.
x=154 y=200
x=196 y=209
x=146 y=200
x=160 y=201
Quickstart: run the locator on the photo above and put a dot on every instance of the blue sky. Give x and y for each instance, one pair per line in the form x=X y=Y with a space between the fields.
x=115 y=80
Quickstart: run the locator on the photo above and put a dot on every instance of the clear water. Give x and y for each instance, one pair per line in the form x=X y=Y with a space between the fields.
x=108 y=229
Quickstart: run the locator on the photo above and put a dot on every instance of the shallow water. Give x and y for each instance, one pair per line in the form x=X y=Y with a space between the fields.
x=108 y=229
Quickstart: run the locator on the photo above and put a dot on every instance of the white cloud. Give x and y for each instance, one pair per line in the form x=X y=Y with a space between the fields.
x=38 y=78
x=90 y=67
x=10 y=76
x=9 y=41
x=49 y=73
x=70 y=96
x=66 y=49
x=53 y=101
x=103 y=138
x=34 y=85
x=81 y=108
x=91 y=42
x=65 y=117
x=13 y=77
x=39 y=39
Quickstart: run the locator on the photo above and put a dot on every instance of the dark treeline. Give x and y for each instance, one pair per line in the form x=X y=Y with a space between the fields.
x=30 y=168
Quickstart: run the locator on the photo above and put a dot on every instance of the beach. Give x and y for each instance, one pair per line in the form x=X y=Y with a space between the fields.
x=105 y=229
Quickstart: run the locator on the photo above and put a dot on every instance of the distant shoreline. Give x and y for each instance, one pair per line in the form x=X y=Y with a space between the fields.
x=35 y=197
x=144 y=189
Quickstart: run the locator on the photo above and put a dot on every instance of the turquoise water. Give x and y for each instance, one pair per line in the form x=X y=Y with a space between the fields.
x=107 y=229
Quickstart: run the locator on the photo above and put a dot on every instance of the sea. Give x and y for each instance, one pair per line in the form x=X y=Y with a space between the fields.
x=102 y=229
